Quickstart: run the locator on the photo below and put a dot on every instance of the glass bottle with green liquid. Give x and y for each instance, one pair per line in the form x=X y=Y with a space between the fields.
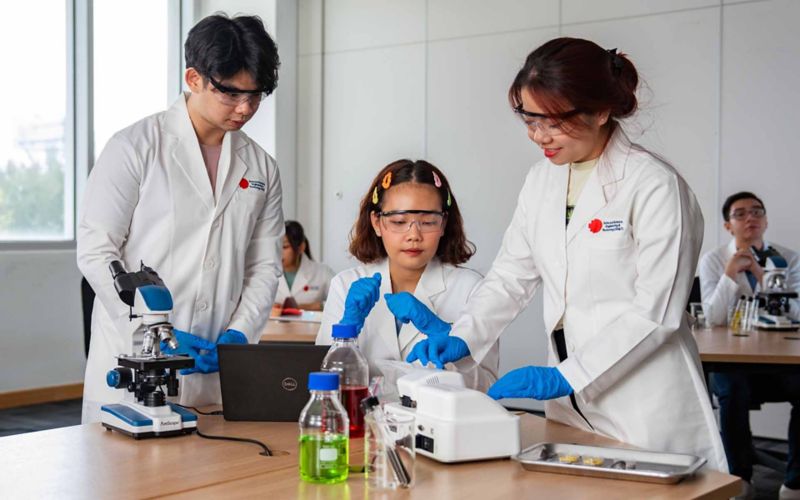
x=324 y=432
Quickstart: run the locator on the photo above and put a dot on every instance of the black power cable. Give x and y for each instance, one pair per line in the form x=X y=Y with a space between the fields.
x=213 y=413
x=267 y=452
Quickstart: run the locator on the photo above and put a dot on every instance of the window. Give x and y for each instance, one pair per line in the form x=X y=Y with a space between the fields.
x=68 y=85
x=36 y=174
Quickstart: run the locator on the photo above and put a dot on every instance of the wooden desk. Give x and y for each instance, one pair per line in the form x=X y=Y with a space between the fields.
x=89 y=462
x=720 y=345
x=291 y=331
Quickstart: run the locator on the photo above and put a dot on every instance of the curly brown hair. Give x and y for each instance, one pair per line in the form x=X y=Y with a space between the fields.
x=367 y=247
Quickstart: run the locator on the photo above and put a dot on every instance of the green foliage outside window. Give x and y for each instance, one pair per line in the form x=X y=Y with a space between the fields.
x=32 y=199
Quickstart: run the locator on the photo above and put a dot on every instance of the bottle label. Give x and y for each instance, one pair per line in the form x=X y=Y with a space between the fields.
x=327 y=454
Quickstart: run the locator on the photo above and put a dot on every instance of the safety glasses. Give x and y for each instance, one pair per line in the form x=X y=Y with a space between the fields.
x=231 y=96
x=549 y=125
x=742 y=213
x=400 y=221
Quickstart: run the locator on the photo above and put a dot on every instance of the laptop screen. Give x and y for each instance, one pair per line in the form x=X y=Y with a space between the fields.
x=267 y=382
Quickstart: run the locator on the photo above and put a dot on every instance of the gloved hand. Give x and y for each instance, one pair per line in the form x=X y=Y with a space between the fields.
x=361 y=298
x=439 y=350
x=407 y=308
x=209 y=362
x=537 y=382
x=188 y=344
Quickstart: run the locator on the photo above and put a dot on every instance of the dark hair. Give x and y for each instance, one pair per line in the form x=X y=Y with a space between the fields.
x=221 y=47
x=741 y=195
x=366 y=246
x=567 y=74
x=297 y=236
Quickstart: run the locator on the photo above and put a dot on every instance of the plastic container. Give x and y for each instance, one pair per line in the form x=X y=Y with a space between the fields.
x=346 y=359
x=324 y=432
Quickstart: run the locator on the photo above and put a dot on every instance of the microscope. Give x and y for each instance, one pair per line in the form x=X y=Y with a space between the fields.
x=145 y=411
x=773 y=299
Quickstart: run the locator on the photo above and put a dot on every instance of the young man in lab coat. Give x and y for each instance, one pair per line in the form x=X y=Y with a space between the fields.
x=726 y=274
x=189 y=194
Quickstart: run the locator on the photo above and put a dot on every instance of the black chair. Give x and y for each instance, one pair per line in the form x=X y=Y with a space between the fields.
x=87 y=303
x=694 y=295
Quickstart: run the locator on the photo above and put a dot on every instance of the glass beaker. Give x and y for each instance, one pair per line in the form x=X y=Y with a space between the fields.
x=389 y=452
x=698 y=315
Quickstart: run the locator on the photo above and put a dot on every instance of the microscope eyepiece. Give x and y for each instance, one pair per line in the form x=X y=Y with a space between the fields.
x=116 y=268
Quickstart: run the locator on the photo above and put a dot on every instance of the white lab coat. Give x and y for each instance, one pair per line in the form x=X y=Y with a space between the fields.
x=149 y=199
x=443 y=288
x=621 y=292
x=310 y=284
x=720 y=293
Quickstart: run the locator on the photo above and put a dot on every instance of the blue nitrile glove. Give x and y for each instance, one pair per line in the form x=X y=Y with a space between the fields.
x=439 y=350
x=209 y=362
x=361 y=298
x=188 y=344
x=537 y=382
x=407 y=308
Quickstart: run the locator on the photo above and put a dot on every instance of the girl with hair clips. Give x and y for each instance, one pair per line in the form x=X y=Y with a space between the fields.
x=410 y=239
x=613 y=233
x=304 y=279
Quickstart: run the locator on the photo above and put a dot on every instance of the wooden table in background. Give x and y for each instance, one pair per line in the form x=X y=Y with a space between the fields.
x=87 y=461
x=719 y=347
x=289 y=331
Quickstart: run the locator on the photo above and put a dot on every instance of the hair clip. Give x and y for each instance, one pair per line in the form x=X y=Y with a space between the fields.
x=616 y=61
x=387 y=180
x=449 y=199
x=436 y=180
x=375 y=196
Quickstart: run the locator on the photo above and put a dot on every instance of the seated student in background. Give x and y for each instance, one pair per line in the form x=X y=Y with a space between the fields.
x=733 y=270
x=726 y=274
x=304 y=279
x=410 y=239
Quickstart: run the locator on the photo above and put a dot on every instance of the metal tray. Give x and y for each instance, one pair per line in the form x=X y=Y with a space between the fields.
x=617 y=463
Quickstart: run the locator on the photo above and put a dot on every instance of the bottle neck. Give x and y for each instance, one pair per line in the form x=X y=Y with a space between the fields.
x=315 y=393
x=344 y=341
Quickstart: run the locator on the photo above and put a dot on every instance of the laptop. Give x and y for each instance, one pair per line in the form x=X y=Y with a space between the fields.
x=267 y=382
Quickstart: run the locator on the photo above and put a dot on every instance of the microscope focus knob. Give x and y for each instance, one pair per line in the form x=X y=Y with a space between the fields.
x=119 y=378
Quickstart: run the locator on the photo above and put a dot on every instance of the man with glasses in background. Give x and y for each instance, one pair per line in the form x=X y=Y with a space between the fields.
x=726 y=274
x=187 y=193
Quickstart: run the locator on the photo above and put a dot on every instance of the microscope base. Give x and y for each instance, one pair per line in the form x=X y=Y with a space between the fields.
x=140 y=422
x=776 y=323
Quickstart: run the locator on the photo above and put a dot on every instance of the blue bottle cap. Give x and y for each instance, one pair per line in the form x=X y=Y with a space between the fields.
x=323 y=381
x=344 y=331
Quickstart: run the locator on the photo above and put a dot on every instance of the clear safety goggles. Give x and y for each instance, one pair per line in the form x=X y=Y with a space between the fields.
x=549 y=125
x=742 y=213
x=231 y=96
x=400 y=221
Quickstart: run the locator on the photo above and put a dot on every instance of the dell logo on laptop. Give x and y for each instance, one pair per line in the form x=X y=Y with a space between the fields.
x=289 y=384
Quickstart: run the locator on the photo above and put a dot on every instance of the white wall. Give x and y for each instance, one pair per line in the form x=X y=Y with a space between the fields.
x=41 y=323
x=382 y=79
